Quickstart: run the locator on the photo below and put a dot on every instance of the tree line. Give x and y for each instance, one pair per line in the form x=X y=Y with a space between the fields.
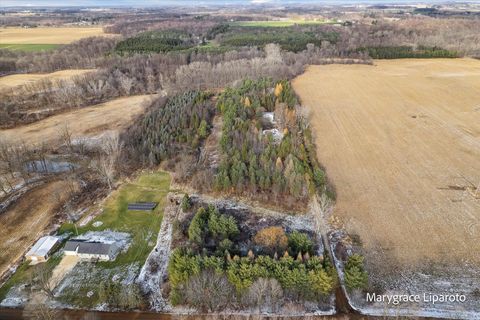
x=402 y=52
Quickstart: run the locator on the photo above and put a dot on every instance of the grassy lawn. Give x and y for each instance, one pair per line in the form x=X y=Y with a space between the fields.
x=29 y=47
x=286 y=23
x=143 y=226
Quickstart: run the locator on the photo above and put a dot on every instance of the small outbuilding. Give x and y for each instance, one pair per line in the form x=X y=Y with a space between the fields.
x=142 y=206
x=91 y=249
x=42 y=249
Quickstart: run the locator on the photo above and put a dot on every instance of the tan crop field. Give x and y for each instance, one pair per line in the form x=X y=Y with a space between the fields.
x=401 y=143
x=16 y=80
x=84 y=122
x=46 y=35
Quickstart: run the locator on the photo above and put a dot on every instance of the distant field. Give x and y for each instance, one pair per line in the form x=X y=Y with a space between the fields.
x=283 y=23
x=15 y=80
x=45 y=36
x=88 y=121
x=401 y=143
x=29 y=47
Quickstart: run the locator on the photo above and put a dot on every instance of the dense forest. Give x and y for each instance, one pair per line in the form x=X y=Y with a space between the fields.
x=169 y=129
x=289 y=38
x=272 y=164
x=156 y=41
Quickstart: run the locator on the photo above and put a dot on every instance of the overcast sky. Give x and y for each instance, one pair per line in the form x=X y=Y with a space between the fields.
x=7 y=3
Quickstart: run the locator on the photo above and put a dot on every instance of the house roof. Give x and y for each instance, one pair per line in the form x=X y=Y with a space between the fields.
x=87 y=247
x=43 y=246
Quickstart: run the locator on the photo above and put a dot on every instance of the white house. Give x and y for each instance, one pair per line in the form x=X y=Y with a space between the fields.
x=91 y=250
x=42 y=248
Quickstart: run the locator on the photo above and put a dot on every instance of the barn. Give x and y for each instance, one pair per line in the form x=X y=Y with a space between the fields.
x=91 y=249
x=42 y=249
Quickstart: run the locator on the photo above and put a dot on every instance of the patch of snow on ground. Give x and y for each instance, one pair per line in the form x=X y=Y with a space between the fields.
x=15 y=298
x=121 y=239
x=155 y=268
x=277 y=135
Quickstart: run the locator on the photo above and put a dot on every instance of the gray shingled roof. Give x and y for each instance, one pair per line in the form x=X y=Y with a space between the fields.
x=88 y=247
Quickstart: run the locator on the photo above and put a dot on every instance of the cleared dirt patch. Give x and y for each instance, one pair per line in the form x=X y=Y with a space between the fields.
x=16 y=80
x=23 y=223
x=65 y=266
x=46 y=35
x=401 y=142
x=89 y=121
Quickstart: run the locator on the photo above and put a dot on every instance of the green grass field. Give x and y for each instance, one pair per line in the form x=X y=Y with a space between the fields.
x=286 y=23
x=29 y=47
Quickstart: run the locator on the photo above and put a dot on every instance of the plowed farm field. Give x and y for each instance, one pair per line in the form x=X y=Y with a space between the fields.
x=400 y=141
x=46 y=35
x=17 y=80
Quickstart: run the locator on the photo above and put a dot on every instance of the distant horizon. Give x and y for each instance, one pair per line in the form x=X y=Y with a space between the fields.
x=170 y=3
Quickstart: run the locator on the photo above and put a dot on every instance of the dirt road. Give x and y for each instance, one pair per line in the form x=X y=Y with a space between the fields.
x=401 y=142
x=67 y=264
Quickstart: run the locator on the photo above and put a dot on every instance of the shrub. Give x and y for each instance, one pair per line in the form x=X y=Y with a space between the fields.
x=299 y=243
x=321 y=282
x=181 y=266
x=186 y=203
x=221 y=226
x=272 y=239
x=196 y=230
x=355 y=275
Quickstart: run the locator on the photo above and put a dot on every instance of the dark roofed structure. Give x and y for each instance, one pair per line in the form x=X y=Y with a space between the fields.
x=142 y=206
x=90 y=249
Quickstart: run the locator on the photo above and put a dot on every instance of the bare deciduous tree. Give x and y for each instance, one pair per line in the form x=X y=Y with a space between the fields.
x=265 y=294
x=106 y=164
x=215 y=291
x=40 y=311
x=66 y=136
x=41 y=278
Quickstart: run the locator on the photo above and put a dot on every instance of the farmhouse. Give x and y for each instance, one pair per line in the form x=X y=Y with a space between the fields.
x=42 y=248
x=91 y=250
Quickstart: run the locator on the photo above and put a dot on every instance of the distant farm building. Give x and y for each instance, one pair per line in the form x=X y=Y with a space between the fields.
x=42 y=249
x=142 y=206
x=91 y=250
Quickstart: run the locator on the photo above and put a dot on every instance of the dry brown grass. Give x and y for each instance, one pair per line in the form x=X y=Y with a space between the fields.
x=45 y=35
x=84 y=122
x=25 y=221
x=401 y=142
x=17 y=80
